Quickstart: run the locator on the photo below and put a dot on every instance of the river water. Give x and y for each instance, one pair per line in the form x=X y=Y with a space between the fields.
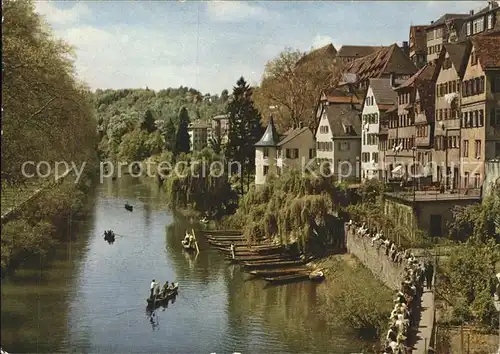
x=92 y=297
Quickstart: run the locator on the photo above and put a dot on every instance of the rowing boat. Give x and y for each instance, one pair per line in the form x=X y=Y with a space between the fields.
x=159 y=300
x=287 y=278
x=278 y=272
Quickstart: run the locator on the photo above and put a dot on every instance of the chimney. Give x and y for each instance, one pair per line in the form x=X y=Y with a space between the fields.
x=471 y=12
x=406 y=48
x=392 y=80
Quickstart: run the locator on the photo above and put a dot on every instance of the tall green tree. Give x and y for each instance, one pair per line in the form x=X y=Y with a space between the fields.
x=182 y=142
x=170 y=136
x=244 y=129
x=47 y=113
x=148 y=121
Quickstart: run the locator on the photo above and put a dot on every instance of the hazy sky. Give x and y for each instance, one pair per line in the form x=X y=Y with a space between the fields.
x=209 y=45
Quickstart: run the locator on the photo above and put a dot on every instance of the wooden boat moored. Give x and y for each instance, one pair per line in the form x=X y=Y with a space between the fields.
x=287 y=278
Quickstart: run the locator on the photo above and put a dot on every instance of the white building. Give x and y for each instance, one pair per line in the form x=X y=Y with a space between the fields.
x=338 y=140
x=275 y=154
x=199 y=133
x=379 y=97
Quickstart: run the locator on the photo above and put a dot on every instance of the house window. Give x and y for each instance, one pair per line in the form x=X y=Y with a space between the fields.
x=344 y=146
x=479 y=25
x=495 y=83
x=466 y=180
x=266 y=170
x=477 y=180
x=473 y=58
x=312 y=153
x=481 y=118
x=466 y=148
x=478 y=149
x=323 y=129
x=468 y=28
x=266 y=153
x=490 y=21
x=497 y=150
x=375 y=157
x=495 y=117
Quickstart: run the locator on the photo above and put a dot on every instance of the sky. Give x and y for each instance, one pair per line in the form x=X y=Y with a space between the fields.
x=209 y=45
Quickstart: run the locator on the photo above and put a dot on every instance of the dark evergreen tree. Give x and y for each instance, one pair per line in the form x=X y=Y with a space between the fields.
x=224 y=96
x=244 y=129
x=148 y=122
x=170 y=136
x=182 y=143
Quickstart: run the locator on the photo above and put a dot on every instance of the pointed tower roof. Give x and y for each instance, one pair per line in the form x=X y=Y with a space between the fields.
x=270 y=137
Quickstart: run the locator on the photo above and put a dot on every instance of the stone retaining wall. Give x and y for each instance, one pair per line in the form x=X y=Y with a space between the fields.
x=374 y=258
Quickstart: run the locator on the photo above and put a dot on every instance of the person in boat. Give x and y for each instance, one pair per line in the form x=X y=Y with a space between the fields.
x=157 y=289
x=166 y=287
x=153 y=286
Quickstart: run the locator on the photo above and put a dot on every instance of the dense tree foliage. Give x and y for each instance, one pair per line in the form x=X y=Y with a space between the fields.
x=467 y=279
x=47 y=114
x=202 y=183
x=294 y=208
x=295 y=89
x=245 y=129
x=122 y=111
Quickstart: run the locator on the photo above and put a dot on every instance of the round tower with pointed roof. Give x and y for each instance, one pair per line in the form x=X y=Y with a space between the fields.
x=266 y=153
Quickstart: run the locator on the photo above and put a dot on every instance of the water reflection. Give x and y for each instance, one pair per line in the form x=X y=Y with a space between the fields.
x=93 y=298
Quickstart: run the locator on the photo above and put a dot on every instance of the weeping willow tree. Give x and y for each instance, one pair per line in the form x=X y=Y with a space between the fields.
x=295 y=208
x=201 y=182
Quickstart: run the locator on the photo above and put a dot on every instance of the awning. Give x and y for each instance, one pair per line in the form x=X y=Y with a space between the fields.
x=397 y=169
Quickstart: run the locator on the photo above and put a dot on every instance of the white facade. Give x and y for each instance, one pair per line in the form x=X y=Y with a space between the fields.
x=265 y=163
x=324 y=142
x=369 y=137
x=294 y=151
x=199 y=134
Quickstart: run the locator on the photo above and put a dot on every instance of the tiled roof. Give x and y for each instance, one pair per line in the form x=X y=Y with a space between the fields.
x=270 y=137
x=425 y=74
x=357 y=51
x=386 y=60
x=488 y=50
x=446 y=17
x=326 y=52
x=463 y=29
x=420 y=39
x=343 y=120
x=383 y=92
x=458 y=55
x=292 y=134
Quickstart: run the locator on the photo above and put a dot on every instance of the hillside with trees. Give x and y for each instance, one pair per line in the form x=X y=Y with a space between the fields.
x=137 y=123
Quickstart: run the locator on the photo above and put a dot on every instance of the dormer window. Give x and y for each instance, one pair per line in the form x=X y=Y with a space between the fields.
x=490 y=21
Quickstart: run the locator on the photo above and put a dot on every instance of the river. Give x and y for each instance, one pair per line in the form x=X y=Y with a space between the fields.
x=92 y=297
